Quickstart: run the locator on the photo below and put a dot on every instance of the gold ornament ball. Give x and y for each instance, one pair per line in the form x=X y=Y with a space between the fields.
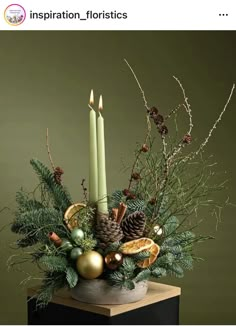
x=90 y=265
x=113 y=260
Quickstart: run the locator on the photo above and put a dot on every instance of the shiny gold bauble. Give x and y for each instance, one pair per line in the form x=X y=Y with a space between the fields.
x=90 y=265
x=113 y=260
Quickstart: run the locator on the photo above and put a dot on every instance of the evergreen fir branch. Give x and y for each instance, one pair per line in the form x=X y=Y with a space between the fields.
x=116 y=278
x=185 y=261
x=164 y=261
x=134 y=205
x=129 y=284
x=37 y=224
x=141 y=256
x=170 y=226
x=126 y=272
x=143 y=275
x=185 y=239
x=175 y=270
x=128 y=266
x=71 y=277
x=158 y=272
x=48 y=250
x=54 y=263
x=59 y=193
x=27 y=241
x=116 y=198
x=112 y=247
x=52 y=282
x=25 y=203
x=175 y=250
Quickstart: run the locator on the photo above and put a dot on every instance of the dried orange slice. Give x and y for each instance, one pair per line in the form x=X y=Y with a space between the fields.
x=135 y=246
x=154 y=252
x=71 y=215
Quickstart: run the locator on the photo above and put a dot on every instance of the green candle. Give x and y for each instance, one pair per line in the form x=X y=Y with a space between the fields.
x=102 y=183
x=93 y=168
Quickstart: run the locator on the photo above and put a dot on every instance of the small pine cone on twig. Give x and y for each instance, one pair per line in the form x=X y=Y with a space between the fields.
x=108 y=231
x=133 y=225
x=57 y=174
x=187 y=139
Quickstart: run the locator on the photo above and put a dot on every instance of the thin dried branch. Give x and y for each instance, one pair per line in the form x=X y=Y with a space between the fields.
x=139 y=85
x=85 y=192
x=173 y=111
x=48 y=150
x=214 y=126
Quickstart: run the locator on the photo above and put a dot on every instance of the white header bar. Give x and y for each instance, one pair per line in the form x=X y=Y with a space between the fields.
x=118 y=15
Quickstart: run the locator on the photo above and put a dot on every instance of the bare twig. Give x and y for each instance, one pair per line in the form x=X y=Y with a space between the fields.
x=48 y=150
x=84 y=190
x=139 y=85
x=148 y=134
x=215 y=124
x=173 y=111
x=186 y=105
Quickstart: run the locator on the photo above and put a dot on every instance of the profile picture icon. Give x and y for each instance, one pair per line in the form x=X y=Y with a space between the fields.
x=14 y=14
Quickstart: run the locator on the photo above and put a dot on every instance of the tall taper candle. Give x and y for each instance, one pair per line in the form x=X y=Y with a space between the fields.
x=102 y=183
x=93 y=166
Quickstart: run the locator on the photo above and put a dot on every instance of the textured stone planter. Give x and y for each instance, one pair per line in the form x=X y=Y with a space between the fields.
x=98 y=291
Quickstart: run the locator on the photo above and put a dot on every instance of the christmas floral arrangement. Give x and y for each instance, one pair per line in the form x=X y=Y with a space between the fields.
x=139 y=232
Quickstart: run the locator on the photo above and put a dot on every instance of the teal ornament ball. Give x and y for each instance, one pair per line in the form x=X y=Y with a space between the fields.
x=77 y=235
x=75 y=253
x=66 y=245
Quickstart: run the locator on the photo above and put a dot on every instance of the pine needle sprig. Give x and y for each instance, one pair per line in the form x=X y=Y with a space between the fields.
x=52 y=282
x=59 y=193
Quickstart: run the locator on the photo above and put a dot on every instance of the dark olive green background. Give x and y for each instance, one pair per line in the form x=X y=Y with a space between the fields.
x=45 y=81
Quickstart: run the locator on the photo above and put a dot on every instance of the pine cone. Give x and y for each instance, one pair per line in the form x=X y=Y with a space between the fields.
x=108 y=231
x=133 y=225
x=187 y=139
x=57 y=174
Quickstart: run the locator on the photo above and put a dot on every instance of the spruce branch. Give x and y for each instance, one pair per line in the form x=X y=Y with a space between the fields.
x=59 y=193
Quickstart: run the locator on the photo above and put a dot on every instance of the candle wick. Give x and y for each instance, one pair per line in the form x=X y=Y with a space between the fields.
x=90 y=106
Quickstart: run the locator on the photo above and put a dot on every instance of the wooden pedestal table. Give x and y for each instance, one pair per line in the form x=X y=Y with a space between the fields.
x=159 y=307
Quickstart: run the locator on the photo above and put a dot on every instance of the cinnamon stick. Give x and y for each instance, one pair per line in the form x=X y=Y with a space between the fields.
x=115 y=213
x=55 y=238
x=121 y=212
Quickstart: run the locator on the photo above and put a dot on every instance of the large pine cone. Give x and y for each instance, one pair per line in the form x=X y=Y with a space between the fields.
x=108 y=231
x=133 y=225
